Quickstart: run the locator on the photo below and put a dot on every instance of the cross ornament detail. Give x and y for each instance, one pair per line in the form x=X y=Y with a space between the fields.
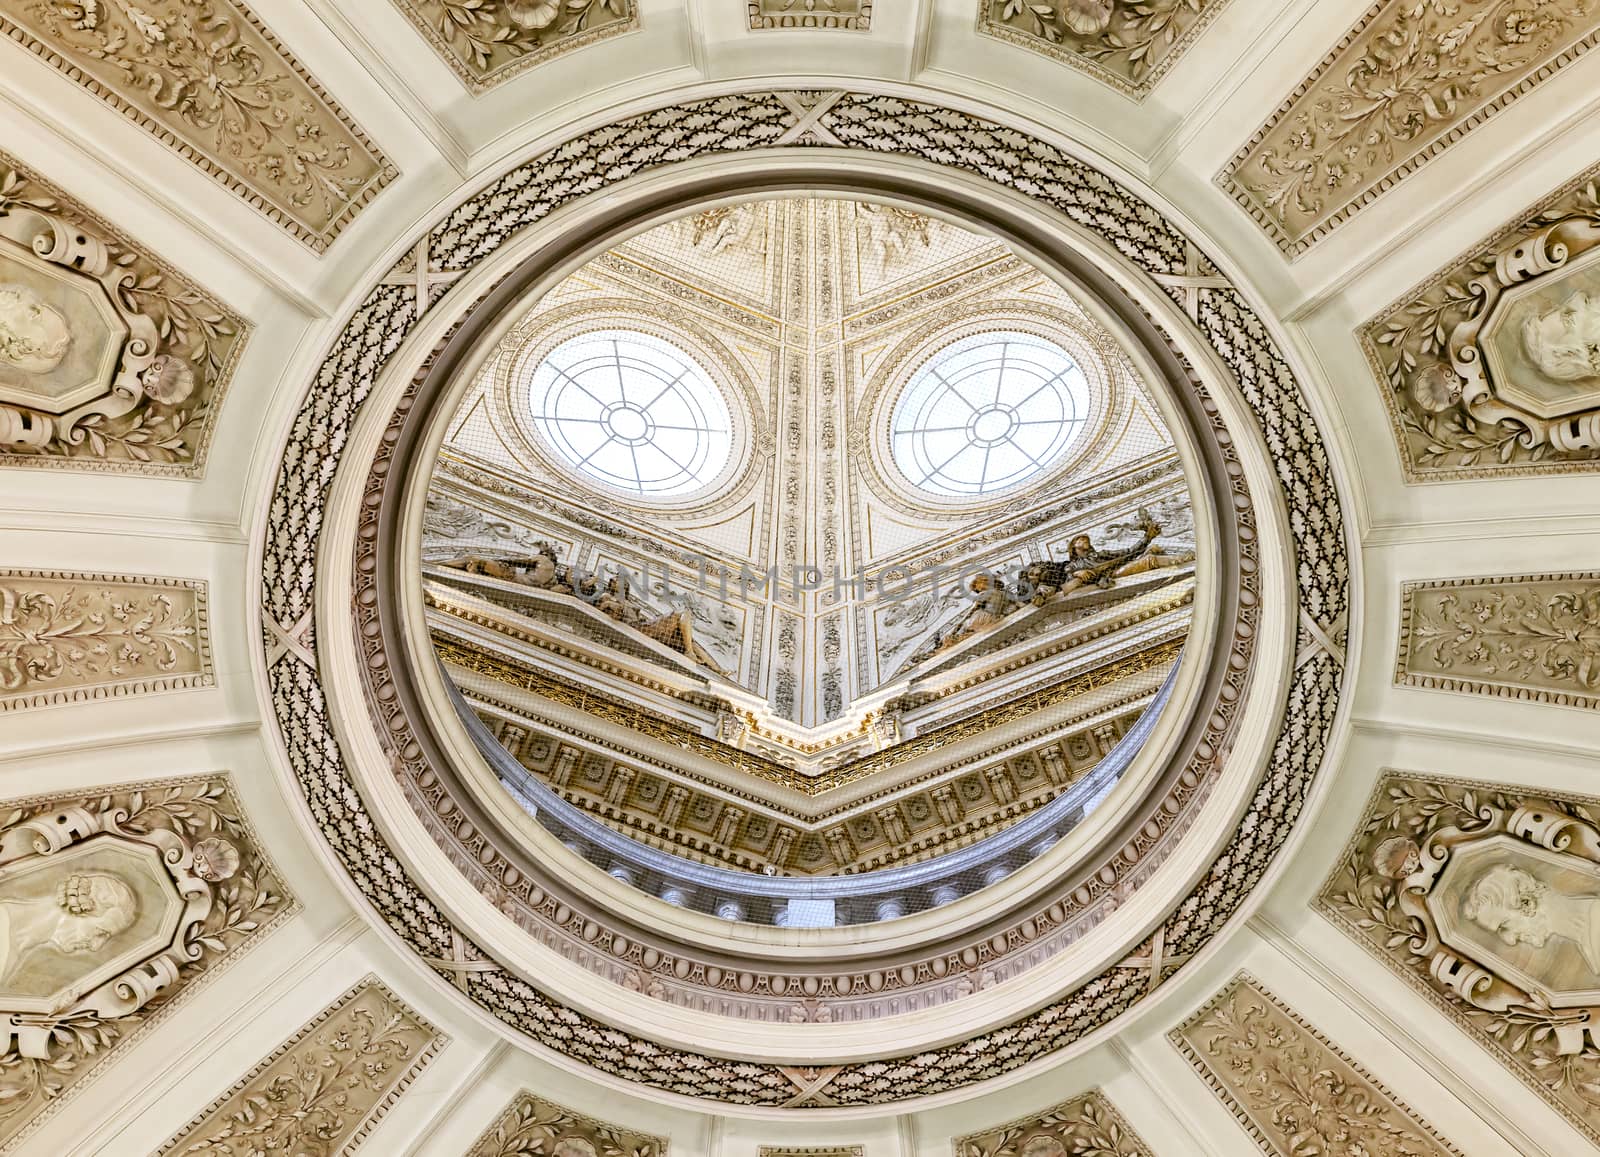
x=421 y=276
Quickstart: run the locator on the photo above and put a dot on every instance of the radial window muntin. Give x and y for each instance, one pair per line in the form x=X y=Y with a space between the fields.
x=987 y=413
x=632 y=412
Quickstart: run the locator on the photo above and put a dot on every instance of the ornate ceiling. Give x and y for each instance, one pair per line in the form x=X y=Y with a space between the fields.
x=265 y=274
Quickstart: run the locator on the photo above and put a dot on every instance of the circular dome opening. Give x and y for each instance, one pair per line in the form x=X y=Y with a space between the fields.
x=988 y=413
x=632 y=412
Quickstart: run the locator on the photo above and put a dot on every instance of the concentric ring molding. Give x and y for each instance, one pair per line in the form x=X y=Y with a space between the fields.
x=321 y=438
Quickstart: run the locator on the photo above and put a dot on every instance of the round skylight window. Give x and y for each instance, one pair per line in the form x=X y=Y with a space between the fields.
x=632 y=411
x=988 y=413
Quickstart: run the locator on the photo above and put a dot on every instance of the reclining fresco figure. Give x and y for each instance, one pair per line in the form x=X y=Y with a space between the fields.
x=1044 y=582
x=612 y=598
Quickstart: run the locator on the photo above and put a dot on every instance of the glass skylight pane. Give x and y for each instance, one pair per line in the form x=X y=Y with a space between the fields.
x=632 y=411
x=988 y=413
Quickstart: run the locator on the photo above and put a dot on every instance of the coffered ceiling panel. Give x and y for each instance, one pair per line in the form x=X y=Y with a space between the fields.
x=117 y=903
x=487 y=42
x=1486 y=898
x=214 y=84
x=1532 y=637
x=110 y=359
x=1128 y=46
x=323 y=1088
x=1292 y=1089
x=68 y=637
x=1492 y=365
x=1405 y=83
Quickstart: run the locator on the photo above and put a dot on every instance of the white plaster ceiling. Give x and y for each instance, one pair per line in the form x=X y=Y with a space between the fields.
x=445 y=141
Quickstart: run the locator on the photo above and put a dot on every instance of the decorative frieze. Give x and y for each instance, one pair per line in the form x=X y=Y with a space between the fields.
x=852 y=14
x=1086 y=1124
x=533 y=1125
x=1486 y=899
x=1128 y=46
x=68 y=637
x=114 y=905
x=1534 y=637
x=1403 y=85
x=486 y=42
x=1290 y=1088
x=210 y=81
x=109 y=358
x=324 y=1088
x=813 y=1151
x=1492 y=366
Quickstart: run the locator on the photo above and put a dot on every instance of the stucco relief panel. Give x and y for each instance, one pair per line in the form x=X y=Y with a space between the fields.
x=1487 y=899
x=68 y=637
x=209 y=80
x=855 y=15
x=1089 y=1124
x=1408 y=81
x=531 y=1124
x=109 y=358
x=1534 y=637
x=1130 y=46
x=1492 y=366
x=487 y=42
x=1292 y=1089
x=112 y=907
x=324 y=1088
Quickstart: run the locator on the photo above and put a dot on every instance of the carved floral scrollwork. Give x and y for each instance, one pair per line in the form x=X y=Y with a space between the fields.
x=489 y=41
x=1489 y=900
x=1461 y=407
x=167 y=347
x=207 y=78
x=1089 y=1125
x=531 y=1125
x=110 y=907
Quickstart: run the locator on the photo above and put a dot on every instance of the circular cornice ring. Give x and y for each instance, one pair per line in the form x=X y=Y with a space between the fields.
x=322 y=438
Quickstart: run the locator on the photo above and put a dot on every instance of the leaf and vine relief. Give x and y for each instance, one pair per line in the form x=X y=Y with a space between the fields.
x=207 y=73
x=156 y=416
x=1130 y=42
x=486 y=41
x=1086 y=1127
x=1404 y=79
x=1454 y=426
x=1489 y=901
x=232 y=893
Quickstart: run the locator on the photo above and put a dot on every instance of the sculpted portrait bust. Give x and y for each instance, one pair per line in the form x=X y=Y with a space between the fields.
x=86 y=911
x=1565 y=342
x=33 y=336
x=573 y=1147
x=1042 y=1146
x=1521 y=909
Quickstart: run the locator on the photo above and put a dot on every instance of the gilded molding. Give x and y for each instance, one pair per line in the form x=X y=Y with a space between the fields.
x=855 y=15
x=68 y=637
x=1464 y=360
x=1127 y=46
x=1291 y=1088
x=1531 y=637
x=166 y=348
x=168 y=884
x=1404 y=84
x=530 y=1124
x=211 y=82
x=1482 y=897
x=487 y=42
x=324 y=1088
x=1089 y=1124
